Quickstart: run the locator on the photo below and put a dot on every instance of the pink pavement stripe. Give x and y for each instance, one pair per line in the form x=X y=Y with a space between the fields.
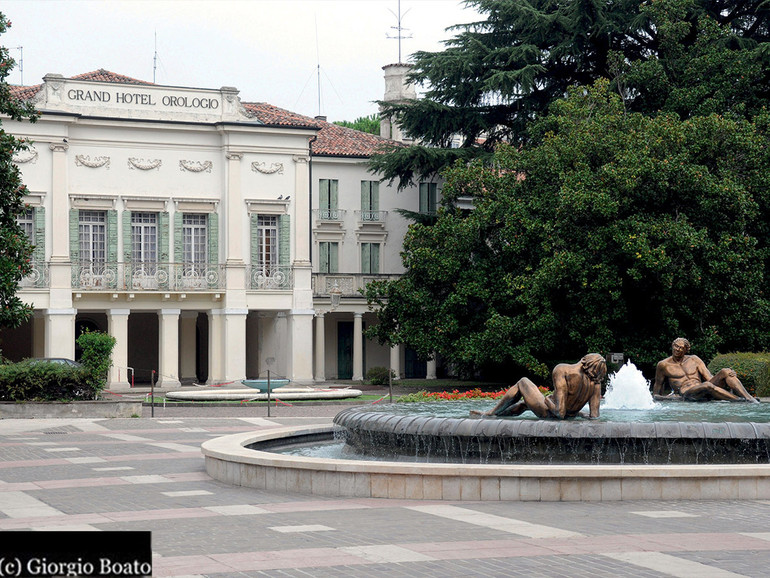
x=80 y=483
x=312 y=506
x=165 y=514
x=52 y=521
x=33 y=463
x=187 y=565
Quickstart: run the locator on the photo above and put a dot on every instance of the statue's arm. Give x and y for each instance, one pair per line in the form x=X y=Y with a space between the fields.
x=559 y=389
x=703 y=371
x=593 y=403
x=660 y=379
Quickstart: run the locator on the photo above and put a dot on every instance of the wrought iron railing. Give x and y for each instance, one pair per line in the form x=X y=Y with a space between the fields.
x=349 y=284
x=148 y=276
x=268 y=277
x=371 y=216
x=38 y=277
x=330 y=214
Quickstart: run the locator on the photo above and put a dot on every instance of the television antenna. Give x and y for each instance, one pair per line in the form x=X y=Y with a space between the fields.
x=399 y=29
x=21 y=61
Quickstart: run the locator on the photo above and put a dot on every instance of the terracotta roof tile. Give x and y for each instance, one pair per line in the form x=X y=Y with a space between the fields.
x=25 y=92
x=272 y=115
x=339 y=141
x=103 y=75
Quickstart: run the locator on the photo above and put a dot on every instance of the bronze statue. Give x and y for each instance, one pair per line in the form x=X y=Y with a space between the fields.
x=689 y=377
x=574 y=385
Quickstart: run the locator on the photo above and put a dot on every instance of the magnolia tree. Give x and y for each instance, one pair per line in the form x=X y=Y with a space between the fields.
x=612 y=231
x=15 y=248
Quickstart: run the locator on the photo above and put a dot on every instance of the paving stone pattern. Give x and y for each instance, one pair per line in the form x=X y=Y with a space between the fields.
x=148 y=474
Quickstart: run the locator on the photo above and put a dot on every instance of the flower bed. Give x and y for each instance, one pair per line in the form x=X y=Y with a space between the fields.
x=456 y=395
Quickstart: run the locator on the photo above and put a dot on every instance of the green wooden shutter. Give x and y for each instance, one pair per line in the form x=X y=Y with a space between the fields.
x=365 y=257
x=334 y=194
x=163 y=235
x=254 y=238
x=74 y=236
x=112 y=237
x=375 y=196
x=128 y=254
x=365 y=205
x=323 y=194
x=178 y=247
x=375 y=258
x=284 y=240
x=323 y=257
x=423 y=198
x=334 y=257
x=39 y=236
x=213 y=232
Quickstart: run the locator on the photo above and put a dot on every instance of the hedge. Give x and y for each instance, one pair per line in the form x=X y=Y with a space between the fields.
x=33 y=380
x=753 y=370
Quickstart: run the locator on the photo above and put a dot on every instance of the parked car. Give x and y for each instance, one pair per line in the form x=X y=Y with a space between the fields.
x=60 y=360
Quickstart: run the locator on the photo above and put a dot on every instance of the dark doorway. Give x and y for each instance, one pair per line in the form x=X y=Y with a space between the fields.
x=345 y=350
x=414 y=367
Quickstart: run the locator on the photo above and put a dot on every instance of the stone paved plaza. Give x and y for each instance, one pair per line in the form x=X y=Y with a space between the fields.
x=148 y=474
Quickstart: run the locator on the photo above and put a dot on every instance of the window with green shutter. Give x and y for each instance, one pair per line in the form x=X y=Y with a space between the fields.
x=370 y=258
x=328 y=257
x=428 y=198
x=370 y=200
x=328 y=197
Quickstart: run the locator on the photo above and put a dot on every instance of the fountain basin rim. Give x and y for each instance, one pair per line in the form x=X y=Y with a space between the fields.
x=233 y=449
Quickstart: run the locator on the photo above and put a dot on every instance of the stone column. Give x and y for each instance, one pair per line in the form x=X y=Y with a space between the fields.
x=38 y=334
x=320 y=347
x=187 y=350
x=169 y=348
x=234 y=345
x=358 y=347
x=60 y=333
x=431 y=369
x=60 y=240
x=216 y=338
x=117 y=325
x=395 y=361
x=301 y=345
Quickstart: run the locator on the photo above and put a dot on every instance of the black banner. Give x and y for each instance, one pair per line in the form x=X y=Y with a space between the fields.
x=49 y=554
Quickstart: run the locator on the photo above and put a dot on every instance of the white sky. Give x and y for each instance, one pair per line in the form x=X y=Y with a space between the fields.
x=268 y=49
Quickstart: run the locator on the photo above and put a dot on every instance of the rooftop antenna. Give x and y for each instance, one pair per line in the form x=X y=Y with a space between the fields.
x=399 y=29
x=318 y=65
x=21 y=61
x=155 y=58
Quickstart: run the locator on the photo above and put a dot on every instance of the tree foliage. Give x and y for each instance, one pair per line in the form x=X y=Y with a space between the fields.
x=370 y=124
x=15 y=249
x=611 y=231
x=498 y=74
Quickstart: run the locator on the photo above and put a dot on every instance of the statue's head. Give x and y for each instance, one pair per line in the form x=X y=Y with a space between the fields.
x=594 y=366
x=682 y=344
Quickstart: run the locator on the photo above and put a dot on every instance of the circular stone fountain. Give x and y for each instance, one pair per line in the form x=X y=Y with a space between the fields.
x=506 y=459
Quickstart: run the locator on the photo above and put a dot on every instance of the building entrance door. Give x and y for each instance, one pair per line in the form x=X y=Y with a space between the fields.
x=345 y=350
x=414 y=367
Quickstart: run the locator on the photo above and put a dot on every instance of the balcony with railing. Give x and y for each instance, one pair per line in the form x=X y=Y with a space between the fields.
x=38 y=277
x=366 y=217
x=90 y=276
x=329 y=215
x=347 y=283
x=269 y=277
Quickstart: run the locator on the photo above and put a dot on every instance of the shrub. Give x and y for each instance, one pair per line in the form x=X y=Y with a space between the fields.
x=753 y=370
x=379 y=375
x=33 y=380
x=97 y=357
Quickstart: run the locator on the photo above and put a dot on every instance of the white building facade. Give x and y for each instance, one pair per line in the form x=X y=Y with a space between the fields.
x=205 y=234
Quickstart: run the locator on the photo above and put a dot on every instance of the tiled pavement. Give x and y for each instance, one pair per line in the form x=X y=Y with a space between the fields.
x=147 y=474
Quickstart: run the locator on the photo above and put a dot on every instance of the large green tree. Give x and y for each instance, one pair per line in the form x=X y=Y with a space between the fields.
x=498 y=74
x=611 y=231
x=15 y=249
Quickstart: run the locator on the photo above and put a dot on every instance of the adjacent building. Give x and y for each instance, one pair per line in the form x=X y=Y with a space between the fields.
x=215 y=239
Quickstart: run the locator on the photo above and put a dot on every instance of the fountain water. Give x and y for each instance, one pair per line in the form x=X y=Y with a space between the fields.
x=628 y=389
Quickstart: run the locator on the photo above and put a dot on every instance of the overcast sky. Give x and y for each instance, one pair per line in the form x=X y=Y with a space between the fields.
x=268 y=49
